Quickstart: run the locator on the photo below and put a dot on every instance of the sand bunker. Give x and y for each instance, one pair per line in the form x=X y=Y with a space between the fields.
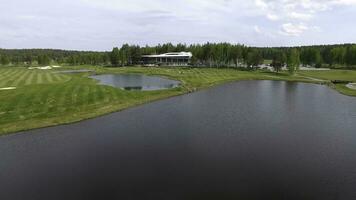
x=313 y=69
x=8 y=88
x=351 y=86
x=46 y=67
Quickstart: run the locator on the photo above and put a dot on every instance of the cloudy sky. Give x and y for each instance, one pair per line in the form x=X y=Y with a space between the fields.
x=102 y=24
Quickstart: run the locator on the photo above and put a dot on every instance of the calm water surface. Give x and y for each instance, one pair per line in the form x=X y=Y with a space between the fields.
x=245 y=140
x=136 y=81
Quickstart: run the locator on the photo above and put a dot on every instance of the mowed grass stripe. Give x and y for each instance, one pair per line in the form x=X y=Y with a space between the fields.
x=51 y=78
x=4 y=73
x=58 y=96
x=6 y=80
x=113 y=94
x=21 y=105
x=78 y=96
x=40 y=78
x=62 y=77
x=7 y=75
x=47 y=78
x=64 y=97
x=109 y=95
x=85 y=95
x=21 y=78
x=100 y=94
x=11 y=80
x=92 y=94
x=52 y=100
x=10 y=108
x=34 y=78
x=30 y=78
x=39 y=101
x=55 y=77
x=75 y=94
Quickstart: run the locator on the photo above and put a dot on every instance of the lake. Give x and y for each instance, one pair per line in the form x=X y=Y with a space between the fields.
x=136 y=81
x=243 y=140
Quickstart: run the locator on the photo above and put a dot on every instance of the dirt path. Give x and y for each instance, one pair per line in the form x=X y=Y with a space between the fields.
x=314 y=79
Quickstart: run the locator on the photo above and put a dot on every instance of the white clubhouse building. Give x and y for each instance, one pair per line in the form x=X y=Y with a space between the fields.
x=168 y=59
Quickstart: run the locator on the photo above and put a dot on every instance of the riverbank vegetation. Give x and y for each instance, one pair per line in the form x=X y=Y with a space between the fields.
x=44 y=98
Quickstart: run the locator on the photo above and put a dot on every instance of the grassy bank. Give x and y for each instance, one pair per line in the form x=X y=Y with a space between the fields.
x=341 y=75
x=43 y=98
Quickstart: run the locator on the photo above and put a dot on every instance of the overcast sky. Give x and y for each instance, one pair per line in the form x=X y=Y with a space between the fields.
x=102 y=24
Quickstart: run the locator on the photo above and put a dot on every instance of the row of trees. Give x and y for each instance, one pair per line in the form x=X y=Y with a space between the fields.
x=48 y=56
x=290 y=59
x=209 y=54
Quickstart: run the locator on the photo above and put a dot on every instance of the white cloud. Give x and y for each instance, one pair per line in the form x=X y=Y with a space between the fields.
x=302 y=10
x=297 y=16
x=257 y=29
x=316 y=29
x=300 y=16
x=261 y=4
x=272 y=17
x=344 y=2
x=101 y=24
x=290 y=29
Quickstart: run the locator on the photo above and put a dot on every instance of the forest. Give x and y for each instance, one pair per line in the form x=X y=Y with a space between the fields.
x=207 y=55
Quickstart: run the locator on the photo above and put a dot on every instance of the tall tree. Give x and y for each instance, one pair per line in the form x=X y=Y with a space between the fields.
x=350 y=56
x=279 y=60
x=318 y=60
x=4 y=60
x=254 y=58
x=43 y=60
x=338 y=55
x=125 y=55
x=293 y=61
x=115 y=57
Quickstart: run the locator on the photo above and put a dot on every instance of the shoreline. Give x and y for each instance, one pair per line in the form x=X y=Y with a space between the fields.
x=185 y=88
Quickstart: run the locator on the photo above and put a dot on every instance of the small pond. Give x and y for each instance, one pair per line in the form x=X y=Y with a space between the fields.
x=136 y=81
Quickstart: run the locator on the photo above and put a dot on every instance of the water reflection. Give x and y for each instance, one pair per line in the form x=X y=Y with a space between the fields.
x=252 y=140
x=136 y=81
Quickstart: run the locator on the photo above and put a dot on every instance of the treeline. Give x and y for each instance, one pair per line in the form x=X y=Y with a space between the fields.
x=209 y=54
x=52 y=56
x=317 y=56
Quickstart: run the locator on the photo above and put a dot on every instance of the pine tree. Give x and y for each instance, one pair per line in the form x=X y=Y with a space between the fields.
x=43 y=60
x=115 y=57
x=4 y=60
x=318 y=59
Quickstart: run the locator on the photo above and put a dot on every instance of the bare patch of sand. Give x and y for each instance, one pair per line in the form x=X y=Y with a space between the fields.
x=46 y=67
x=351 y=86
x=8 y=88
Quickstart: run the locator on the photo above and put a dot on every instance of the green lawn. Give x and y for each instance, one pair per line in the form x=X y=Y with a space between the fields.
x=345 y=75
x=344 y=90
x=44 y=98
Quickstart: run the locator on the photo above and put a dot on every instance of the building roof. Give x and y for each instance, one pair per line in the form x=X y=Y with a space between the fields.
x=170 y=55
